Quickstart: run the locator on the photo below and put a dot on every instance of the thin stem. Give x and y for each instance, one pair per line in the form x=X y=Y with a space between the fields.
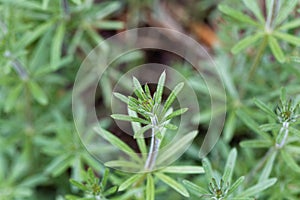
x=285 y=128
x=154 y=146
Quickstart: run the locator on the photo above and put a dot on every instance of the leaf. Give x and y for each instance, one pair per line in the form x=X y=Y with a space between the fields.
x=265 y=108
x=183 y=170
x=59 y=165
x=256 y=189
x=289 y=160
x=106 y=9
x=114 y=140
x=253 y=6
x=285 y=11
x=129 y=118
x=256 y=143
x=160 y=88
x=276 y=50
x=142 y=130
x=288 y=38
x=104 y=179
x=110 y=191
x=208 y=169
x=268 y=167
x=129 y=182
x=283 y=95
x=252 y=124
x=171 y=126
x=236 y=184
x=172 y=96
x=12 y=98
x=294 y=131
x=176 y=113
x=246 y=42
x=123 y=164
x=150 y=188
x=195 y=189
x=37 y=93
x=227 y=175
x=176 y=148
x=270 y=127
x=229 y=127
x=173 y=184
x=290 y=25
x=237 y=15
x=138 y=89
x=57 y=42
x=121 y=97
x=79 y=185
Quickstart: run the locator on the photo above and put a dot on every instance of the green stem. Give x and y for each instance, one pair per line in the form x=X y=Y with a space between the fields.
x=258 y=57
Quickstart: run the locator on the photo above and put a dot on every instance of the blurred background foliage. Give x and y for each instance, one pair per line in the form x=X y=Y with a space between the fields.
x=43 y=42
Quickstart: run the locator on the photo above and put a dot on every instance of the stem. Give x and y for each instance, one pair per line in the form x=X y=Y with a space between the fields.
x=285 y=128
x=258 y=57
x=154 y=146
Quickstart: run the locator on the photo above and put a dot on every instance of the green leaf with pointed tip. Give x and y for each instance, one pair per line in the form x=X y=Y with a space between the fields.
x=253 y=6
x=256 y=189
x=121 y=97
x=288 y=38
x=285 y=11
x=246 y=42
x=208 y=169
x=129 y=182
x=104 y=179
x=173 y=184
x=195 y=189
x=256 y=143
x=268 y=167
x=171 y=126
x=270 y=127
x=129 y=118
x=276 y=49
x=265 y=108
x=160 y=88
x=283 y=95
x=236 y=184
x=37 y=93
x=12 y=98
x=294 y=131
x=150 y=188
x=110 y=191
x=114 y=140
x=290 y=161
x=227 y=175
x=176 y=113
x=79 y=185
x=123 y=164
x=290 y=25
x=237 y=15
x=138 y=89
x=172 y=96
x=183 y=170
x=147 y=90
x=57 y=43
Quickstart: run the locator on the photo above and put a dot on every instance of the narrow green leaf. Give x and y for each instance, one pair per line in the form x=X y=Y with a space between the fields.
x=171 y=126
x=246 y=42
x=129 y=182
x=227 y=175
x=150 y=188
x=208 y=169
x=45 y=4
x=114 y=140
x=251 y=124
x=237 y=15
x=123 y=164
x=79 y=185
x=270 y=127
x=37 y=93
x=290 y=25
x=59 y=165
x=176 y=148
x=106 y=9
x=147 y=90
x=110 y=191
x=268 y=167
x=104 y=178
x=57 y=42
x=236 y=184
x=276 y=49
x=195 y=189
x=229 y=127
x=176 y=113
x=172 y=96
x=160 y=88
x=265 y=108
x=183 y=170
x=256 y=189
x=172 y=183
x=129 y=118
x=253 y=6
x=109 y=25
x=294 y=131
x=142 y=130
x=290 y=161
x=12 y=98
x=138 y=89
x=288 y=38
x=121 y=97
x=285 y=11
x=256 y=143
x=283 y=95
